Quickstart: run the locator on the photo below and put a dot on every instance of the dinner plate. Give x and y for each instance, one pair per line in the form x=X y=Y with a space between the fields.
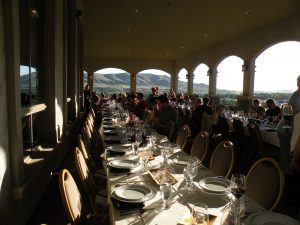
x=184 y=159
x=109 y=127
x=118 y=149
x=110 y=132
x=134 y=193
x=123 y=163
x=215 y=184
x=270 y=218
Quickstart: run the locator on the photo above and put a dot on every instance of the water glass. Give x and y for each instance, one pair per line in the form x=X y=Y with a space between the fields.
x=200 y=213
x=187 y=177
x=166 y=194
x=144 y=158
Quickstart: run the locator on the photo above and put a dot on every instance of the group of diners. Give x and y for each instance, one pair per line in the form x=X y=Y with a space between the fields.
x=167 y=110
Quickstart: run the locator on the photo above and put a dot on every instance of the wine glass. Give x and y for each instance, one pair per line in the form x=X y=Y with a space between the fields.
x=200 y=213
x=237 y=188
x=166 y=194
x=192 y=171
x=287 y=112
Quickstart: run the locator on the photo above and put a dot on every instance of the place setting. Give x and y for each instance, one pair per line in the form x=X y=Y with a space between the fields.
x=131 y=198
x=124 y=165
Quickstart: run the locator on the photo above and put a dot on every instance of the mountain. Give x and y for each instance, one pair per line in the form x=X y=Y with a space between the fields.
x=121 y=82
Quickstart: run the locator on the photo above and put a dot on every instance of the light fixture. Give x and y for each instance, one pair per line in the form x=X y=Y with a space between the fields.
x=34 y=13
x=244 y=66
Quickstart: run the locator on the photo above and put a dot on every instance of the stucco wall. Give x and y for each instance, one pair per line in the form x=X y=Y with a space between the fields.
x=5 y=184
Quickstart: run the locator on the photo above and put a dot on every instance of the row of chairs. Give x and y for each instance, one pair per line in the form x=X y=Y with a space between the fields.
x=265 y=179
x=92 y=178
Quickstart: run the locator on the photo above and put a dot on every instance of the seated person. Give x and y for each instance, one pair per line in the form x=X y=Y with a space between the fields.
x=220 y=123
x=257 y=108
x=151 y=100
x=164 y=115
x=195 y=121
x=273 y=109
x=140 y=106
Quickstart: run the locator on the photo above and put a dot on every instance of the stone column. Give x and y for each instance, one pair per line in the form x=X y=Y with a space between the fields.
x=212 y=89
x=90 y=80
x=190 y=83
x=133 y=82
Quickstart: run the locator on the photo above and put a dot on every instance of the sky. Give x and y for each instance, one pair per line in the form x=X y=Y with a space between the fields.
x=277 y=68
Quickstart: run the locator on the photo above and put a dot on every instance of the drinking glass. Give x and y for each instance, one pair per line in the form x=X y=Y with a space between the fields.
x=287 y=112
x=237 y=188
x=200 y=213
x=166 y=194
x=144 y=158
x=192 y=171
x=187 y=177
x=168 y=173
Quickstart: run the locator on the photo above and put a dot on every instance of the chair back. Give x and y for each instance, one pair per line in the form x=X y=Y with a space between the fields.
x=200 y=145
x=71 y=197
x=182 y=136
x=222 y=160
x=82 y=147
x=265 y=183
x=86 y=177
x=255 y=136
x=237 y=126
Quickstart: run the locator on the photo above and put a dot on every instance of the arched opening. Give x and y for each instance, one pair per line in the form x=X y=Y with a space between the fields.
x=29 y=86
x=201 y=80
x=230 y=80
x=111 y=80
x=277 y=69
x=152 y=78
x=182 y=81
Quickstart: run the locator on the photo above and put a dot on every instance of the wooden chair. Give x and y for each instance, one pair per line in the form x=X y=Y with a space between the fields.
x=182 y=136
x=222 y=160
x=96 y=194
x=76 y=211
x=200 y=145
x=265 y=183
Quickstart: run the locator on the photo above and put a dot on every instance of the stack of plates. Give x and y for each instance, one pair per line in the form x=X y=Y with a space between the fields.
x=184 y=159
x=215 y=185
x=270 y=218
x=134 y=193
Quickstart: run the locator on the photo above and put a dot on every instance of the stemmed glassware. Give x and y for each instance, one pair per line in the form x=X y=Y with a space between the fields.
x=287 y=112
x=192 y=171
x=237 y=189
x=145 y=154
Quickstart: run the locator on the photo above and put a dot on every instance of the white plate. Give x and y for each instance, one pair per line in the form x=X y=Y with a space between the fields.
x=215 y=184
x=118 y=149
x=134 y=193
x=123 y=163
x=270 y=218
x=112 y=132
x=183 y=160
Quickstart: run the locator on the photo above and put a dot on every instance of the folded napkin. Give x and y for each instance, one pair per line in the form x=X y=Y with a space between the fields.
x=117 y=170
x=126 y=207
x=112 y=141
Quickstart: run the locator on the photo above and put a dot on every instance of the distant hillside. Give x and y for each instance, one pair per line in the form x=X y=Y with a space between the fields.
x=121 y=82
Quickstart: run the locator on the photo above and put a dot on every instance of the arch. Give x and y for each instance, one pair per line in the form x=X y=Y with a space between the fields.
x=148 y=78
x=201 y=80
x=229 y=82
x=111 y=80
x=182 y=81
x=277 y=64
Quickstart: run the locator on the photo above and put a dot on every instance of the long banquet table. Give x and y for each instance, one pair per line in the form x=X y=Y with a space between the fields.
x=181 y=202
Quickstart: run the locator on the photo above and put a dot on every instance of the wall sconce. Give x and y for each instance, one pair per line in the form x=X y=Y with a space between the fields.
x=244 y=66
x=209 y=72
